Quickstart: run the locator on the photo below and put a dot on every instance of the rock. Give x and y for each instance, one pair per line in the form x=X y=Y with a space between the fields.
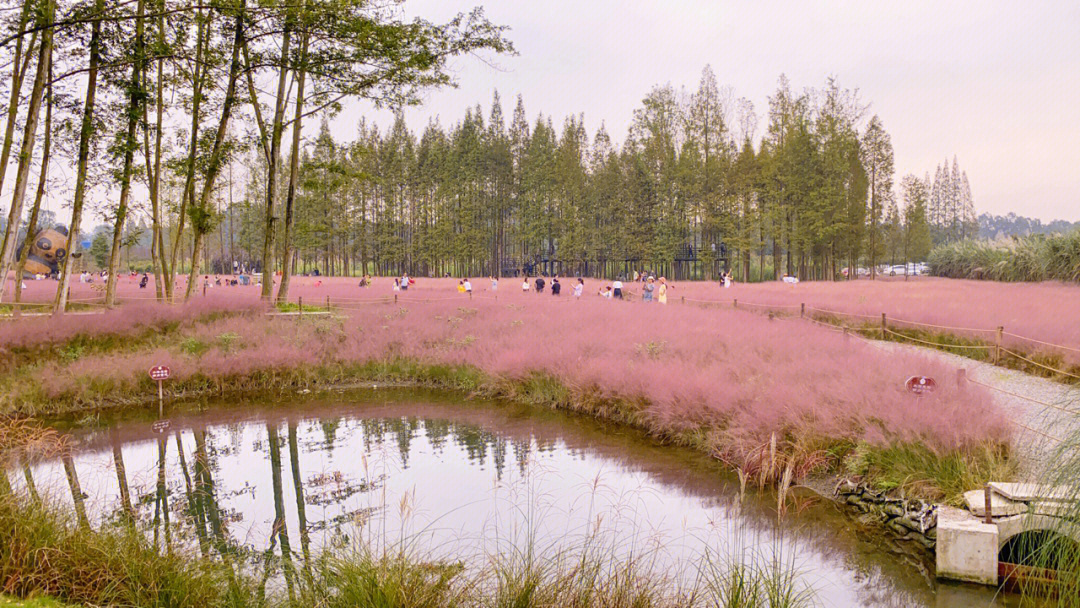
x=893 y=509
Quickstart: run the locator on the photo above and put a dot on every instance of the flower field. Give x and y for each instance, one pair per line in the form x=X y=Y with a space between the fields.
x=728 y=381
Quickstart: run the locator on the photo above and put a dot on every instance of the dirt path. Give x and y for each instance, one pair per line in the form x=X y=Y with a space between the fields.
x=1044 y=411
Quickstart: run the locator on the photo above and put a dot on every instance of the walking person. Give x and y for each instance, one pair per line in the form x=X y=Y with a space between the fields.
x=617 y=288
x=494 y=284
x=404 y=281
x=647 y=290
x=539 y=285
x=579 y=287
x=661 y=292
x=468 y=286
x=556 y=287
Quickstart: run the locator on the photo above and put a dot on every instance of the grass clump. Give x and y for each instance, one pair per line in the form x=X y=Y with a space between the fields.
x=43 y=552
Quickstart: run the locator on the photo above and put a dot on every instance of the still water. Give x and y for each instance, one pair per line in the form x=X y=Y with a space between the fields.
x=460 y=480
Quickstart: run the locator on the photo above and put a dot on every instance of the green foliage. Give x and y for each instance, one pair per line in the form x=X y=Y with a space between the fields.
x=99 y=249
x=1030 y=258
x=193 y=346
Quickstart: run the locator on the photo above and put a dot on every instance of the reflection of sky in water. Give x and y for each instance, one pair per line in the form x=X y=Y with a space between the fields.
x=458 y=490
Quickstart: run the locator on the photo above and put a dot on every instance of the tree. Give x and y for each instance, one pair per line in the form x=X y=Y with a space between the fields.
x=878 y=160
x=916 y=234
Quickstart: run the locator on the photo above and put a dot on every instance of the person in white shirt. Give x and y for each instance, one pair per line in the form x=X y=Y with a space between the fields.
x=605 y=292
x=617 y=289
x=579 y=287
x=494 y=284
x=525 y=285
x=468 y=287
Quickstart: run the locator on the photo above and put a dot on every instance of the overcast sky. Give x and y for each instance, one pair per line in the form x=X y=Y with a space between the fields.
x=995 y=83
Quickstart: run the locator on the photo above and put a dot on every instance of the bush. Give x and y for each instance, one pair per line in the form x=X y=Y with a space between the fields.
x=1036 y=257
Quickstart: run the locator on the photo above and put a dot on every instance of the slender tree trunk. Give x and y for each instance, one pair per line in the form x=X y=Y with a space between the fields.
x=18 y=70
x=134 y=113
x=162 y=286
x=272 y=164
x=294 y=162
x=217 y=153
x=198 y=78
x=86 y=133
x=31 y=226
x=22 y=174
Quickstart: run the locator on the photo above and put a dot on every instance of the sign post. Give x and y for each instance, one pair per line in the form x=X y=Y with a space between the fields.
x=920 y=385
x=160 y=373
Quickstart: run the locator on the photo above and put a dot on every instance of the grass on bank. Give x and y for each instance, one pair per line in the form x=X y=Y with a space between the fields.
x=44 y=552
x=6 y=601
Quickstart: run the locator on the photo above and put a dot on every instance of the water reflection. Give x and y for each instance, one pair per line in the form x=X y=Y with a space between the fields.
x=458 y=480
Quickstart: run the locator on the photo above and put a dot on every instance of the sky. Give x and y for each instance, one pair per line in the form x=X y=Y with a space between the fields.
x=997 y=84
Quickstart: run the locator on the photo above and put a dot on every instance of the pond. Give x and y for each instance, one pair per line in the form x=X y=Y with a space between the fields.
x=460 y=480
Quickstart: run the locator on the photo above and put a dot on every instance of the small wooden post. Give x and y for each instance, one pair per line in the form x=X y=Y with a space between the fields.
x=300 y=306
x=884 y=327
x=395 y=298
x=997 y=344
x=327 y=303
x=735 y=303
x=802 y=310
x=204 y=289
x=987 y=517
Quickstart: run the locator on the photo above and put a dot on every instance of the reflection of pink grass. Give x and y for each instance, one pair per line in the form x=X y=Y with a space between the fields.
x=736 y=375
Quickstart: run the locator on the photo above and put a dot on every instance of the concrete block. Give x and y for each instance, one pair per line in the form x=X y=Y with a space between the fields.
x=1000 y=506
x=967 y=549
x=1028 y=492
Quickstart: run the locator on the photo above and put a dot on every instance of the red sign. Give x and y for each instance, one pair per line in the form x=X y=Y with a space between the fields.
x=160 y=372
x=921 y=384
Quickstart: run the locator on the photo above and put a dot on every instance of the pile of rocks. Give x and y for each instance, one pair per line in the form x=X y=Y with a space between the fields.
x=914 y=520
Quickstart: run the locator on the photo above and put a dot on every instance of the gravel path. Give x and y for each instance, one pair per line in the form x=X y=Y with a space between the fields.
x=1039 y=425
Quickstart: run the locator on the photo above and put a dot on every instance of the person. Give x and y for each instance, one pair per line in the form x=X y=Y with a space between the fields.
x=579 y=287
x=790 y=279
x=636 y=276
x=539 y=284
x=555 y=286
x=468 y=286
x=143 y=281
x=727 y=279
x=397 y=284
x=363 y=281
x=661 y=292
x=617 y=289
x=460 y=286
x=647 y=290
x=605 y=292
x=525 y=285
x=404 y=281
x=494 y=284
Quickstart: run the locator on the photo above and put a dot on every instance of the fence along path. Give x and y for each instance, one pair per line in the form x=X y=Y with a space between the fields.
x=996 y=350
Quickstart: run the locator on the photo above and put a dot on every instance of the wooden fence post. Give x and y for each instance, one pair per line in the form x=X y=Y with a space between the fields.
x=327 y=303
x=395 y=298
x=997 y=344
x=300 y=306
x=802 y=310
x=736 y=303
x=884 y=327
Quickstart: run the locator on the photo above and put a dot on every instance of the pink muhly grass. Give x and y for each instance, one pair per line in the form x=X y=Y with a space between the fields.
x=735 y=372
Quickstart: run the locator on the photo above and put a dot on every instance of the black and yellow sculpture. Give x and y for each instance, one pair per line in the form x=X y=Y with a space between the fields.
x=47 y=251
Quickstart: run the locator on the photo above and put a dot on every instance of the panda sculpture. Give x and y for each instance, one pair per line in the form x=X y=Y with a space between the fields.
x=47 y=251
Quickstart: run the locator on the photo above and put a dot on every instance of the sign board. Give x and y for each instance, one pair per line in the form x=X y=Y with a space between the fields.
x=921 y=385
x=160 y=426
x=160 y=372
x=85 y=244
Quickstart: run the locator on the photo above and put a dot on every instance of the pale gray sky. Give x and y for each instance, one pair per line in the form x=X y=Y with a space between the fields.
x=995 y=83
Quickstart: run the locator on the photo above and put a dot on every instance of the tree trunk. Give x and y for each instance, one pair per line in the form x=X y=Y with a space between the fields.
x=86 y=133
x=19 y=66
x=31 y=226
x=22 y=174
x=272 y=164
x=294 y=161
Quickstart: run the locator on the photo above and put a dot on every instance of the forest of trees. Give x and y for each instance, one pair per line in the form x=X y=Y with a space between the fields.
x=183 y=125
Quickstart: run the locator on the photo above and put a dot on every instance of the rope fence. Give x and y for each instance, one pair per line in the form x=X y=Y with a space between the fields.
x=997 y=350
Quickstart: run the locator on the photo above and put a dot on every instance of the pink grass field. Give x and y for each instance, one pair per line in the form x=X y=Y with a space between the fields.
x=1031 y=313
x=737 y=374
